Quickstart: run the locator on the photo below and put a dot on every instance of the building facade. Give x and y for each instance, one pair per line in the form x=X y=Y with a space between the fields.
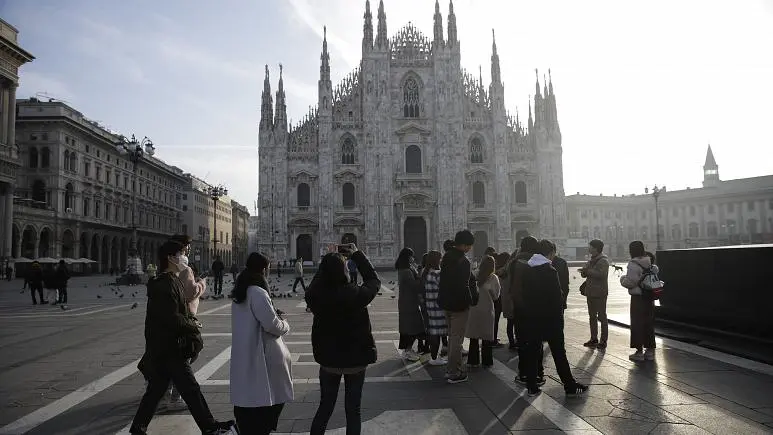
x=210 y=228
x=408 y=149
x=720 y=213
x=252 y=234
x=12 y=57
x=240 y=216
x=75 y=195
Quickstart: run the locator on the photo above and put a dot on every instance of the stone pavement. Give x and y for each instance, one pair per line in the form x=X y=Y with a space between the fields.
x=62 y=372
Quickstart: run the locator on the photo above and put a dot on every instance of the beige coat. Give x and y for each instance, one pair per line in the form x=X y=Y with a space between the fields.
x=192 y=289
x=480 y=323
x=596 y=272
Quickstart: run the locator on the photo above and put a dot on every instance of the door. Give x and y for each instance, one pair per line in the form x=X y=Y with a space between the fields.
x=481 y=243
x=415 y=235
x=303 y=247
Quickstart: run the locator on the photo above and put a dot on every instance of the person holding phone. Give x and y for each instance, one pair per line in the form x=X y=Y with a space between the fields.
x=341 y=336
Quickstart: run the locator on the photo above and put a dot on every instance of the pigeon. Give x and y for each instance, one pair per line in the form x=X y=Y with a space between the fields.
x=22 y=291
x=63 y=307
x=99 y=296
x=121 y=296
x=134 y=305
x=133 y=294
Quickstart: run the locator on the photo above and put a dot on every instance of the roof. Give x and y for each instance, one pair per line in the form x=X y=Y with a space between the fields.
x=710 y=162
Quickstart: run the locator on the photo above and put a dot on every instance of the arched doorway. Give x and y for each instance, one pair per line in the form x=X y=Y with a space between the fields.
x=124 y=251
x=415 y=235
x=114 y=253
x=105 y=254
x=28 y=242
x=45 y=243
x=94 y=251
x=519 y=235
x=15 y=242
x=303 y=247
x=349 y=238
x=481 y=243
x=68 y=244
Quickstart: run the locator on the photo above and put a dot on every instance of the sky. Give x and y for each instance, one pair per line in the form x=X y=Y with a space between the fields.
x=642 y=88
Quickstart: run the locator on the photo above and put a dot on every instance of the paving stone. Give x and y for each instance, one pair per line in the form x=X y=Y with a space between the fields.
x=677 y=429
x=614 y=425
x=735 y=408
x=646 y=410
x=751 y=391
x=715 y=419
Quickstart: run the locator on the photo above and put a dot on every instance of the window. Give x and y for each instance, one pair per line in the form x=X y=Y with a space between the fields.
x=750 y=206
x=45 y=157
x=476 y=151
x=73 y=162
x=711 y=209
x=751 y=226
x=117 y=180
x=107 y=211
x=478 y=194
x=117 y=216
x=675 y=212
x=348 y=155
x=98 y=154
x=692 y=210
x=185 y=229
x=520 y=193
x=304 y=195
x=585 y=232
x=86 y=208
x=413 y=160
x=97 y=209
x=596 y=232
x=88 y=148
x=348 y=195
x=87 y=169
x=68 y=196
x=126 y=182
x=66 y=160
x=730 y=226
x=730 y=207
x=676 y=232
x=583 y=213
x=185 y=196
x=99 y=173
x=411 y=98
x=711 y=229
x=631 y=234
x=644 y=233
x=39 y=191
x=693 y=230
x=33 y=157
x=185 y=208
x=107 y=176
x=126 y=214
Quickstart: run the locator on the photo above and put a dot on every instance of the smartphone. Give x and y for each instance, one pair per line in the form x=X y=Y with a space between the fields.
x=343 y=249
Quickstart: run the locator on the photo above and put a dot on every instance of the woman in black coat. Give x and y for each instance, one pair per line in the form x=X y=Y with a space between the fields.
x=341 y=335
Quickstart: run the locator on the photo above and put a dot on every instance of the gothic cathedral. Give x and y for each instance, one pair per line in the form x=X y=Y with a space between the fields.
x=408 y=149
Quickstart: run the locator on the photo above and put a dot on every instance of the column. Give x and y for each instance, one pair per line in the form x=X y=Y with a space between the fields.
x=8 y=221
x=5 y=124
x=12 y=118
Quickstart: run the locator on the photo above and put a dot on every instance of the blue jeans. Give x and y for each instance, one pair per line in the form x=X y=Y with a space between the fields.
x=328 y=385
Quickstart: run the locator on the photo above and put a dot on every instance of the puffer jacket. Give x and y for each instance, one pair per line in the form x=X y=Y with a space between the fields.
x=634 y=272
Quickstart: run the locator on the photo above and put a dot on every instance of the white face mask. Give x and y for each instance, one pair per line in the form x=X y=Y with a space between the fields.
x=183 y=261
x=175 y=263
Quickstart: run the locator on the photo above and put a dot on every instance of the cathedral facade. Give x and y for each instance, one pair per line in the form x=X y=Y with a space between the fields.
x=408 y=149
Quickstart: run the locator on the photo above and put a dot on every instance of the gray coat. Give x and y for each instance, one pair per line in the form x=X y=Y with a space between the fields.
x=480 y=323
x=411 y=321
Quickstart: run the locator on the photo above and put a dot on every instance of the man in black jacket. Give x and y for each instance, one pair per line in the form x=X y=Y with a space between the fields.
x=515 y=270
x=559 y=264
x=218 y=268
x=543 y=320
x=458 y=292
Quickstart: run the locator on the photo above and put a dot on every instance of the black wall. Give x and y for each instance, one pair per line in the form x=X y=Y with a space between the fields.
x=728 y=288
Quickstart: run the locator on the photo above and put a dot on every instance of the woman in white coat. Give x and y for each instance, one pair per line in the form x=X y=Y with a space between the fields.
x=261 y=379
x=480 y=323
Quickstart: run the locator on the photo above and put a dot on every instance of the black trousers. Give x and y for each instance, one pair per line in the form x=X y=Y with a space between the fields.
x=497 y=315
x=480 y=353
x=158 y=376
x=511 y=331
x=257 y=421
x=299 y=280
x=535 y=355
x=39 y=289
x=63 y=295
x=406 y=341
x=328 y=385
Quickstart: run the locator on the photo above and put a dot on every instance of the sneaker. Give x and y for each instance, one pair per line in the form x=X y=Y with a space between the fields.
x=591 y=343
x=649 y=354
x=223 y=428
x=520 y=380
x=577 y=390
x=462 y=377
x=533 y=391
x=410 y=355
x=636 y=356
x=601 y=346
x=438 y=362
x=541 y=381
x=473 y=365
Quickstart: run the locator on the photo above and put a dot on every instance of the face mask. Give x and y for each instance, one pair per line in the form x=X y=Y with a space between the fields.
x=175 y=263
x=183 y=261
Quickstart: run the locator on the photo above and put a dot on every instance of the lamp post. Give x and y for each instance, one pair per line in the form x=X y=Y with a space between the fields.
x=135 y=150
x=215 y=193
x=656 y=191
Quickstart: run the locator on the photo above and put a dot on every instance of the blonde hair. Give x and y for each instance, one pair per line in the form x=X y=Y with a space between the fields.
x=487 y=266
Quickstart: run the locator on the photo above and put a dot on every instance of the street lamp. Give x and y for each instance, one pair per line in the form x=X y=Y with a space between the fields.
x=215 y=193
x=656 y=191
x=135 y=150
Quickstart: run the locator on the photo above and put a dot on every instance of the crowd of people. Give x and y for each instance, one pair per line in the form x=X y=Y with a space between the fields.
x=441 y=302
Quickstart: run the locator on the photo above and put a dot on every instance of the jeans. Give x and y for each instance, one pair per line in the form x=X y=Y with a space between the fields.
x=457 y=324
x=406 y=341
x=480 y=353
x=218 y=284
x=36 y=288
x=179 y=372
x=299 y=280
x=597 y=312
x=328 y=385
x=63 y=295
x=534 y=356
x=257 y=421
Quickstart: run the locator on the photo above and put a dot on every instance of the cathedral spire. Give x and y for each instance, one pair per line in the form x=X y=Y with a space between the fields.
x=537 y=95
x=451 y=25
x=710 y=169
x=496 y=76
x=381 y=38
x=531 y=120
x=367 y=29
x=545 y=85
x=438 y=26
x=550 y=86
x=324 y=67
x=280 y=117
x=266 y=109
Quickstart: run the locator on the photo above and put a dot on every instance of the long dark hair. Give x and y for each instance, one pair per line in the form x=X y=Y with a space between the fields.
x=253 y=275
x=404 y=259
x=432 y=262
x=169 y=248
x=331 y=272
x=487 y=265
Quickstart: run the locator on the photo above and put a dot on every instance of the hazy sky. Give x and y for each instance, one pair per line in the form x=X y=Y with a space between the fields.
x=642 y=87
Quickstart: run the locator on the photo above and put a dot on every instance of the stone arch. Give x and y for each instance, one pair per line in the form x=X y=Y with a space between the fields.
x=68 y=244
x=29 y=240
x=124 y=253
x=477 y=154
x=45 y=243
x=303 y=195
x=94 y=247
x=348 y=150
x=413 y=164
x=412 y=87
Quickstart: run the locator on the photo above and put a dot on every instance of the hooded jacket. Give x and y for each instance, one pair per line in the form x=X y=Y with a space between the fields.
x=341 y=334
x=543 y=301
x=634 y=272
x=515 y=269
x=458 y=287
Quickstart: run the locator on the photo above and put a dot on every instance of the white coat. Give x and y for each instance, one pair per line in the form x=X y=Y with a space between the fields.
x=261 y=367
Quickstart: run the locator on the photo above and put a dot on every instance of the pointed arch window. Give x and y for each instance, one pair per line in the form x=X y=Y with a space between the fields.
x=476 y=151
x=411 y=98
x=479 y=194
x=348 y=195
x=348 y=152
x=520 y=192
x=304 y=195
x=413 y=160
